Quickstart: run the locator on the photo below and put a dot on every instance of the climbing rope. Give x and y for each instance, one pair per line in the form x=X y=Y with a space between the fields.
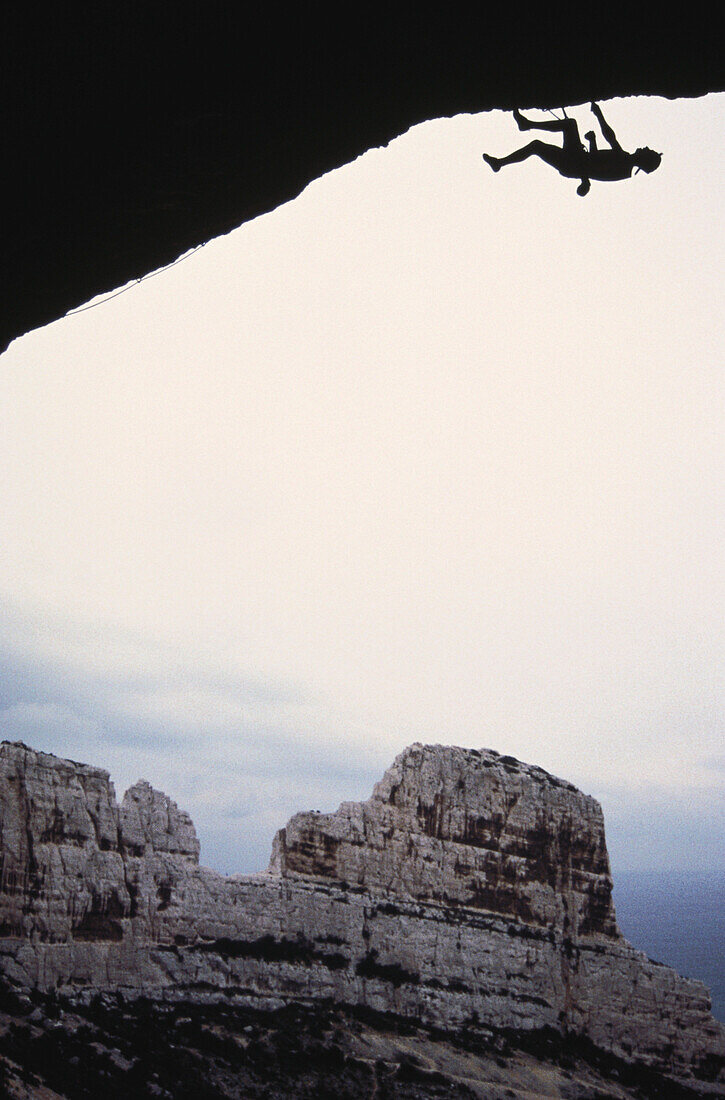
x=136 y=282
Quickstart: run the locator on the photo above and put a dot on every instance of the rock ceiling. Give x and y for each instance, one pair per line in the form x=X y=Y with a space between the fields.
x=135 y=132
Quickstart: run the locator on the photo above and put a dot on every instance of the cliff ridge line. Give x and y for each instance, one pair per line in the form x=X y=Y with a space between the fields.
x=470 y=891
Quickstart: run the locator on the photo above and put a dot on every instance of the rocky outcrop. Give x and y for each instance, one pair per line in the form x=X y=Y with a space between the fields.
x=469 y=892
x=465 y=828
x=130 y=137
x=74 y=866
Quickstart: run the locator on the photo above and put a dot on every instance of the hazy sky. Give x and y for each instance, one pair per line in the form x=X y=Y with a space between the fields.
x=427 y=454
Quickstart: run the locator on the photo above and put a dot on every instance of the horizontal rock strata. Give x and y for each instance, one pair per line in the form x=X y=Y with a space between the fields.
x=468 y=828
x=470 y=891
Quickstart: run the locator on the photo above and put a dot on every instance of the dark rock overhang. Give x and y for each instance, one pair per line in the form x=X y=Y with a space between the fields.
x=135 y=131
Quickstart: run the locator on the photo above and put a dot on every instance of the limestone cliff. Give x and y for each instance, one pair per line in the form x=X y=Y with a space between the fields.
x=466 y=827
x=73 y=864
x=469 y=892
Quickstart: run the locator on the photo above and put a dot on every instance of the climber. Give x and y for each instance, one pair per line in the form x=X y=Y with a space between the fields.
x=571 y=159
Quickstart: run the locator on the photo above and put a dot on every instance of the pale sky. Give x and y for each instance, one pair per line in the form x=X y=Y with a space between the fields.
x=428 y=454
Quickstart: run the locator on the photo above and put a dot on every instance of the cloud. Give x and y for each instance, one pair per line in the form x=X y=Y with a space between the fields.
x=242 y=755
x=29 y=721
x=656 y=829
x=239 y=754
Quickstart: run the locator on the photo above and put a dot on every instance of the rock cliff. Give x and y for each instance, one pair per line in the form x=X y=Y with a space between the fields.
x=130 y=137
x=470 y=892
x=465 y=828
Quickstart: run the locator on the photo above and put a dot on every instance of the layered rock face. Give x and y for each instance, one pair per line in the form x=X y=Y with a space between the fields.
x=469 y=891
x=73 y=864
x=466 y=827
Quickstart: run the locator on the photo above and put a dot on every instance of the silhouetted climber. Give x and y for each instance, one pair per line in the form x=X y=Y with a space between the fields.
x=571 y=159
